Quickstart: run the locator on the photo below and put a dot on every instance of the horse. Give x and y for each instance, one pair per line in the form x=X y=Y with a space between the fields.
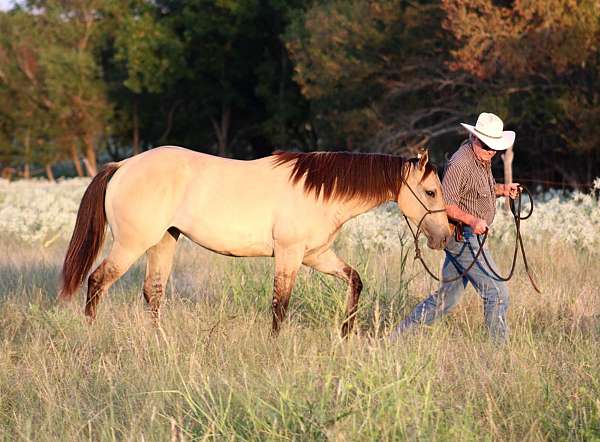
x=289 y=206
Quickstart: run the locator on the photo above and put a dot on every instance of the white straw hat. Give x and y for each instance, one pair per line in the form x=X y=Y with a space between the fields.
x=489 y=129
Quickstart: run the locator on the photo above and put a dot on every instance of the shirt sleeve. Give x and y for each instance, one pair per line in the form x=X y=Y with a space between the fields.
x=453 y=183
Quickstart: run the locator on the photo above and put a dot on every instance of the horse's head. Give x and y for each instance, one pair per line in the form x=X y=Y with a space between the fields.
x=421 y=200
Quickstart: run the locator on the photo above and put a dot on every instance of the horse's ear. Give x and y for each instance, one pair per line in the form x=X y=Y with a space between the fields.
x=423 y=159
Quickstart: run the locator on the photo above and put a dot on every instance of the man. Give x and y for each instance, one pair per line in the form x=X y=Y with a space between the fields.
x=469 y=192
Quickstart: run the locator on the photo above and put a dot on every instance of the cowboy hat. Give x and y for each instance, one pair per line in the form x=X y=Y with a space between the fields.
x=489 y=129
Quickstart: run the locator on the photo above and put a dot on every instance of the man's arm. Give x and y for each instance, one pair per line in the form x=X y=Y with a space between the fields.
x=478 y=225
x=500 y=190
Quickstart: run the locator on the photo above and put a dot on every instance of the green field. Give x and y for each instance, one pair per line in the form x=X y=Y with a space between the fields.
x=212 y=372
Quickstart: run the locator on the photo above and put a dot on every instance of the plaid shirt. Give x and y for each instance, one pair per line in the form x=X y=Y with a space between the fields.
x=468 y=183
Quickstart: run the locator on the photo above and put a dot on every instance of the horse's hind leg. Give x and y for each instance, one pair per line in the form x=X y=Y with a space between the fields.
x=328 y=262
x=158 y=269
x=287 y=263
x=112 y=268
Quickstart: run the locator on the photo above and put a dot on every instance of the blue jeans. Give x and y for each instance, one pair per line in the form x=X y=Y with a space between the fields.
x=459 y=255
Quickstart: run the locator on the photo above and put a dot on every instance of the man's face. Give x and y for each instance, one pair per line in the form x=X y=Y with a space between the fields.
x=482 y=151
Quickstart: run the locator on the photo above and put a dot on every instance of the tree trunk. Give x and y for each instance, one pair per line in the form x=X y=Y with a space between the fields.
x=113 y=151
x=90 y=156
x=75 y=159
x=222 y=130
x=349 y=143
x=507 y=160
x=136 y=127
x=169 y=125
x=49 y=173
x=26 y=168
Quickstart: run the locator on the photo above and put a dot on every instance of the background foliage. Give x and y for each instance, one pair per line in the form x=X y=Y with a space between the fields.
x=242 y=78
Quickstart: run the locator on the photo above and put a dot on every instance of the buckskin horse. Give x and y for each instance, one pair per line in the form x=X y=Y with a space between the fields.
x=289 y=206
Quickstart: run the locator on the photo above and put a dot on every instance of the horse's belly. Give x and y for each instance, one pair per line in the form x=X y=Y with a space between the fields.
x=233 y=248
x=229 y=238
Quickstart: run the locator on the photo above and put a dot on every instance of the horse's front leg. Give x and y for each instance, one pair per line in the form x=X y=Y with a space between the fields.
x=328 y=262
x=287 y=262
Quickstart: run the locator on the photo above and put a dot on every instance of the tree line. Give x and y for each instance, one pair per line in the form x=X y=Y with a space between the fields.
x=81 y=79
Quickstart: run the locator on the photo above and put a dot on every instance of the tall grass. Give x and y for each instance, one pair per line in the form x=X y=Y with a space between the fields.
x=212 y=372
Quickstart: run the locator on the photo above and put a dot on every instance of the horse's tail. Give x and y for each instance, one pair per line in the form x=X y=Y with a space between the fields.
x=88 y=235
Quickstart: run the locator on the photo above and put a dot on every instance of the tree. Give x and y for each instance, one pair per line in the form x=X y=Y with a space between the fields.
x=24 y=104
x=542 y=58
x=149 y=54
x=236 y=88
x=75 y=89
x=376 y=72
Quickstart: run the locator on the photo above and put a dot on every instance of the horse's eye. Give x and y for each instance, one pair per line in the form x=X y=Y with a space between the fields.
x=430 y=193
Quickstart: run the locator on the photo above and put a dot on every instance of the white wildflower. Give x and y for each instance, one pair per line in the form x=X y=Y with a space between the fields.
x=39 y=212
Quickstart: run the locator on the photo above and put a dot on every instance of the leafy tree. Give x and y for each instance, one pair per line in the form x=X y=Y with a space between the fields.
x=376 y=72
x=149 y=55
x=286 y=119
x=75 y=95
x=236 y=88
x=542 y=59
x=24 y=104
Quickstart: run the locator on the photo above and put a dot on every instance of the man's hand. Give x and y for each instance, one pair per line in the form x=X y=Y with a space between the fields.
x=479 y=226
x=512 y=190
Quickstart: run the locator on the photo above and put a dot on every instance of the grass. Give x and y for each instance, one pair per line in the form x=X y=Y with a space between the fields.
x=212 y=372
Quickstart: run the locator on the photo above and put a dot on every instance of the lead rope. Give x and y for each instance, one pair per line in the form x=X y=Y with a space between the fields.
x=420 y=258
x=518 y=239
x=518 y=242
